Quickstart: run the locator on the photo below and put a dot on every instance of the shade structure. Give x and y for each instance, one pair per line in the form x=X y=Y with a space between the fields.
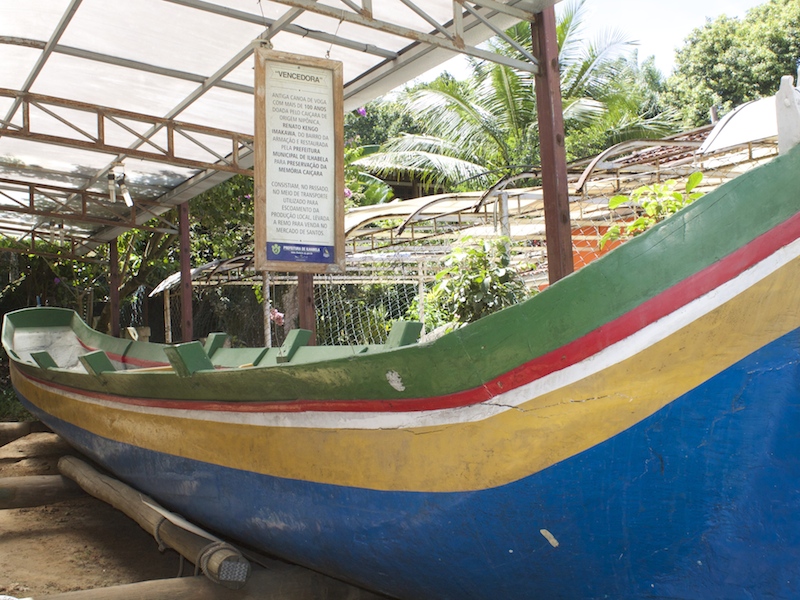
x=106 y=104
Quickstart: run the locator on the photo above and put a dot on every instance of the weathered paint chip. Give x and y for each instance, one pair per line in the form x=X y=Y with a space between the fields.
x=549 y=537
x=393 y=377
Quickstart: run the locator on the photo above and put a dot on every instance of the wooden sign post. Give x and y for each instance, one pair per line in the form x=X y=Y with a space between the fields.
x=299 y=169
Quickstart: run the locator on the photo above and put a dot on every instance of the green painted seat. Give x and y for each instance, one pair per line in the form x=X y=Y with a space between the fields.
x=96 y=362
x=403 y=333
x=44 y=360
x=188 y=358
x=214 y=342
x=294 y=340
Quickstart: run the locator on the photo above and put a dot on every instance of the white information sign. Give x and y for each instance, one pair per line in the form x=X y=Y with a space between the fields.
x=301 y=163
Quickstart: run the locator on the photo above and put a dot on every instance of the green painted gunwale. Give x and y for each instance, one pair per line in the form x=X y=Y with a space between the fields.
x=698 y=236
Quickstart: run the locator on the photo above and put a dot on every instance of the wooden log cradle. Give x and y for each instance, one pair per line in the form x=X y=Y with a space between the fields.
x=13 y=431
x=36 y=490
x=219 y=561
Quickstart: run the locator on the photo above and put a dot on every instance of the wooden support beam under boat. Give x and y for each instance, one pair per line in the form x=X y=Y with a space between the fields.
x=552 y=152
x=13 y=431
x=279 y=582
x=219 y=561
x=36 y=490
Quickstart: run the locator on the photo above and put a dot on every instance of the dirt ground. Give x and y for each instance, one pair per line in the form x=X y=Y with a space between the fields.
x=75 y=544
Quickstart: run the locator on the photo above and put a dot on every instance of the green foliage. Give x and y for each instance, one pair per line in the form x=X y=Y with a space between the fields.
x=362 y=188
x=634 y=107
x=477 y=280
x=485 y=127
x=10 y=407
x=728 y=62
x=377 y=122
x=222 y=220
x=656 y=202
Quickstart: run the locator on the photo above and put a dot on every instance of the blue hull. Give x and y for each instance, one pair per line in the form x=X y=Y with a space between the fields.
x=701 y=500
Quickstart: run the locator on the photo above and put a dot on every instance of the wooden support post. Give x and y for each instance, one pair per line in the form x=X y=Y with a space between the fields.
x=187 y=320
x=551 y=146
x=219 y=561
x=305 y=298
x=113 y=286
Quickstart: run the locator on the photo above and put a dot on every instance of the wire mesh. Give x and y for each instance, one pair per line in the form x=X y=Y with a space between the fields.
x=392 y=269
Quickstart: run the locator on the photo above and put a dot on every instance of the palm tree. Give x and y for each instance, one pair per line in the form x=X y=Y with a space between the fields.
x=485 y=127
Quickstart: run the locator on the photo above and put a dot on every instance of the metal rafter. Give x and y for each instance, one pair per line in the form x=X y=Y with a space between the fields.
x=411 y=34
x=63 y=206
x=298 y=30
x=122 y=62
x=96 y=140
x=406 y=53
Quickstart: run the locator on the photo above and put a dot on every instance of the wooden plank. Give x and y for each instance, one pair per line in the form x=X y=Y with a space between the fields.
x=96 y=362
x=295 y=339
x=403 y=333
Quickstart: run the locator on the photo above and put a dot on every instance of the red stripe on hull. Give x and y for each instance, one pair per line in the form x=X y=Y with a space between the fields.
x=572 y=353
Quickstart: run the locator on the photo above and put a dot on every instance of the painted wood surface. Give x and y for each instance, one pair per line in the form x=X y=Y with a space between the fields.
x=630 y=432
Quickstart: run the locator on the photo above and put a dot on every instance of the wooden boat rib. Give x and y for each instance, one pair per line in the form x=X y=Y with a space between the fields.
x=630 y=432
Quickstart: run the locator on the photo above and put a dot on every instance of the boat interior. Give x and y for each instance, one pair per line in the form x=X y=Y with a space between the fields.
x=54 y=338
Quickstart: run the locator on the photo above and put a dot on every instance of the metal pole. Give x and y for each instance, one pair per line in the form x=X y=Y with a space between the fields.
x=305 y=300
x=267 y=325
x=551 y=145
x=167 y=318
x=187 y=321
x=113 y=287
x=421 y=275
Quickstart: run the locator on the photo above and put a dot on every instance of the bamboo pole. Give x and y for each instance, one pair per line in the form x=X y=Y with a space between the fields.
x=36 y=490
x=219 y=561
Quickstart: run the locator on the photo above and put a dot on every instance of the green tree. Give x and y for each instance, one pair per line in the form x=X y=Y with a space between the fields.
x=222 y=220
x=377 y=122
x=486 y=126
x=728 y=62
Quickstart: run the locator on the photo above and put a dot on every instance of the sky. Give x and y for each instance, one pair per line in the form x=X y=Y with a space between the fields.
x=659 y=27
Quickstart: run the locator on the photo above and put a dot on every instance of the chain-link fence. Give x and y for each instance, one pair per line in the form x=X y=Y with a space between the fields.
x=389 y=279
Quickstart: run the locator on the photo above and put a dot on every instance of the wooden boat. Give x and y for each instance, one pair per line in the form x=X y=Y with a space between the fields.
x=631 y=432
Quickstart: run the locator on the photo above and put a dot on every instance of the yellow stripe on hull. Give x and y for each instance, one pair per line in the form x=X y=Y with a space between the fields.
x=472 y=455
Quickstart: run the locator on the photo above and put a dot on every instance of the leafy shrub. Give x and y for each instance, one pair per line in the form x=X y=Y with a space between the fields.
x=477 y=280
x=655 y=202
